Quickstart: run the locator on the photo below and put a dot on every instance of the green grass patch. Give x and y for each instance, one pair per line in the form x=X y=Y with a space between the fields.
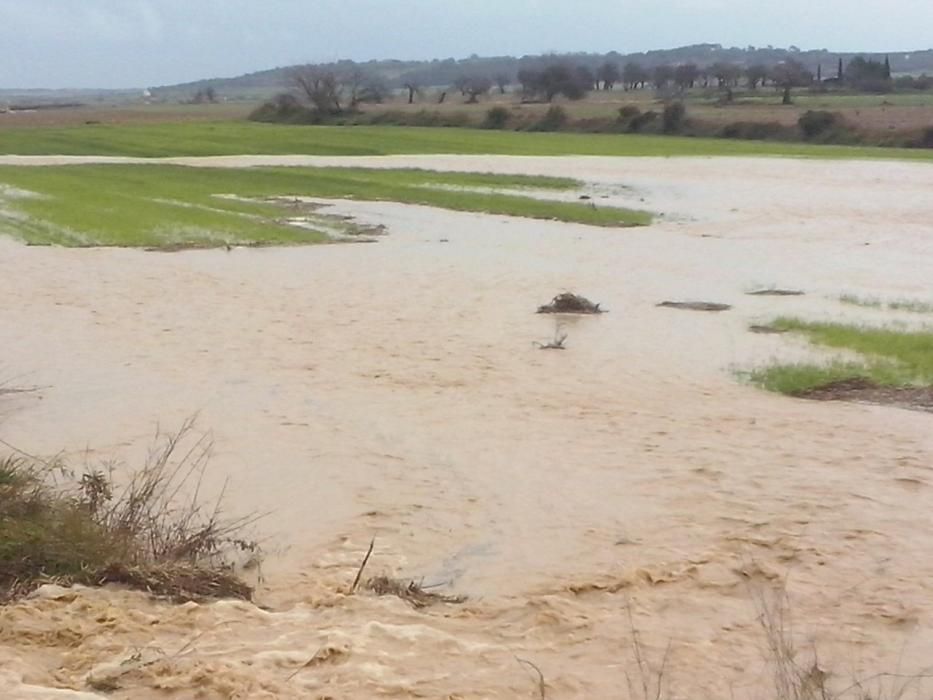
x=796 y=379
x=235 y=138
x=891 y=357
x=168 y=206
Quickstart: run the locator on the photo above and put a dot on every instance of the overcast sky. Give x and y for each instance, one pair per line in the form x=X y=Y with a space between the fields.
x=138 y=43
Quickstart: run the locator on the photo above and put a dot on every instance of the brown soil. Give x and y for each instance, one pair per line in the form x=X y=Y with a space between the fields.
x=867 y=391
x=124 y=114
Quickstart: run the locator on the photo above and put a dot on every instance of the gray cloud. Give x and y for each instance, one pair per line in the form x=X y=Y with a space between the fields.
x=131 y=43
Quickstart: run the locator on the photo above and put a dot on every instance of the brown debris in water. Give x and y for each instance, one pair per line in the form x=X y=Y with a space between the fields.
x=695 y=305
x=766 y=330
x=568 y=303
x=776 y=293
x=411 y=592
x=859 y=389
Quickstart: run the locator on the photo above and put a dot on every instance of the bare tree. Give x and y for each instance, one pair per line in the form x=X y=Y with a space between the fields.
x=414 y=89
x=321 y=87
x=788 y=75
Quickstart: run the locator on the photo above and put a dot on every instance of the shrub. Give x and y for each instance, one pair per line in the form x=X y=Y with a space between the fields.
x=643 y=121
x=554 y=119
x=926 y=138
x=757 y=131
x=285 y=109
x=57 y=526
x=497 y=118
x=626 y=115
x=421 y=118
x=673 y=118
x=817 y=123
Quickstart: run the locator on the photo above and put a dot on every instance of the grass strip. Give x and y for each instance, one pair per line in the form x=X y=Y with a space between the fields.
x=174 y=206
x=244 y=138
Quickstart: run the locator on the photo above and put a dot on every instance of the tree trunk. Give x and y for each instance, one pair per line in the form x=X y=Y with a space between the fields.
x=787 y=100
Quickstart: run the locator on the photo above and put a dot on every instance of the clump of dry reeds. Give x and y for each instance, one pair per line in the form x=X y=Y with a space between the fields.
x=151 y=531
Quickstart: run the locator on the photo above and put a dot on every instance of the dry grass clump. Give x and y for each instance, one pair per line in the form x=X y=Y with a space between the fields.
x=151 y=532
x=411 y=592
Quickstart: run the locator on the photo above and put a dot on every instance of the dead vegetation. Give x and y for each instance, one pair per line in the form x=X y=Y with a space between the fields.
x=556 y=343
x=414 y=593
x=799 y=674
x=151 y=531
x=568 y=303
x=859 y=389
x=695 y=305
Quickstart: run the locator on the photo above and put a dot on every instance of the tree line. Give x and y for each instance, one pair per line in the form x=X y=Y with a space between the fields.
x=331 y=92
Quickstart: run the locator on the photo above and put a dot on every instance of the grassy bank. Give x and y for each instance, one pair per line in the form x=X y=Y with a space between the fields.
x=159 y=206
x=61 y=527
x=889 y=358
x=234 y=138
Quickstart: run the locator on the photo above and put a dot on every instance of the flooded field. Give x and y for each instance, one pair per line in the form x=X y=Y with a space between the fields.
x=619 y=512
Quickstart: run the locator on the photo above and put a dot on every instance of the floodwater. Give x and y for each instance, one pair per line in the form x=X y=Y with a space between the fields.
x=627 y=489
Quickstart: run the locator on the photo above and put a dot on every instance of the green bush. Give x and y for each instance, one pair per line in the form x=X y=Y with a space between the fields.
x=755 y=131
x=497 y=118
x=674 y=118
x=554 y=119
x=285 y=109
x=818 y=123
x=643 y=121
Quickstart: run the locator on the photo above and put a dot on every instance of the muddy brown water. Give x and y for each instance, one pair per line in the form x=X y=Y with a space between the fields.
x=394 y=391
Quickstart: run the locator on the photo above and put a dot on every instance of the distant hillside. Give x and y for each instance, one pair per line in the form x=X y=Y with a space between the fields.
x=443 y=72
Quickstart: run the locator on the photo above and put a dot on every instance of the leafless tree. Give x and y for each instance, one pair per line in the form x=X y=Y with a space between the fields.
x=788 y=75
x=321 y=87
x=414 y=89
